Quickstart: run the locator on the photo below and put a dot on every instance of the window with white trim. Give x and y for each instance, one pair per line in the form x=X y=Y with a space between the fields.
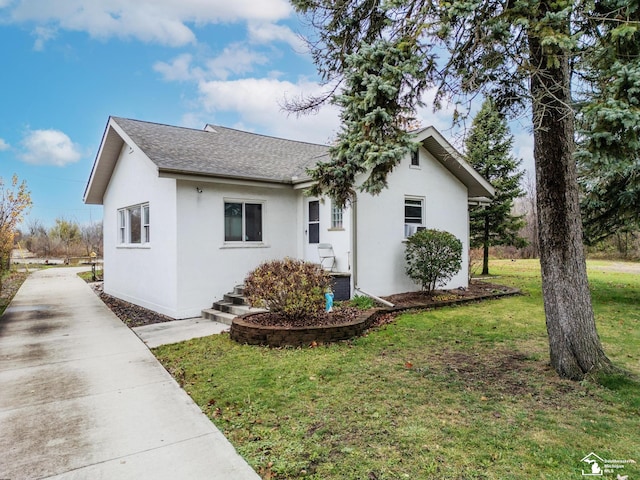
x=133 y=225
x=336 y=216
x=415 y=158
x=146 y=231
x=242 y=221
x=122 y=226
x=413 y=215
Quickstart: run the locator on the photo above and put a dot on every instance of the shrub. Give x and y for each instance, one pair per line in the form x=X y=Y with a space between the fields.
x=362 y=302
x=292 y=288
x=433 y=257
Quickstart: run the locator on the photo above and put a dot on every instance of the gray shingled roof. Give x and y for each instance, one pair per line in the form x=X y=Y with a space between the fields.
x=221 y=151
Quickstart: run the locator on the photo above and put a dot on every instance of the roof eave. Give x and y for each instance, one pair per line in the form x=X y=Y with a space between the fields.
x=450 y=158
x=479 y=201
x=103 y=165
x=187 y=174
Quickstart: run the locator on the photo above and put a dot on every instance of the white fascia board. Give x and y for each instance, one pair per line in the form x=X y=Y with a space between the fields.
x=103 y=165
x=453 y=161
x=204 y=178
x=482 y=201
x=303 y=185
x=108 y=154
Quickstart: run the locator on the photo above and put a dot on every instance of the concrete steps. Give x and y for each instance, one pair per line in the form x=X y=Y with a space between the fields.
x=232 y=305
x=217 y=316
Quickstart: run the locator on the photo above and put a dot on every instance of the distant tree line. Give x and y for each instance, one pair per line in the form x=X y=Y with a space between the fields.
x=65 y=239
x=622 y=243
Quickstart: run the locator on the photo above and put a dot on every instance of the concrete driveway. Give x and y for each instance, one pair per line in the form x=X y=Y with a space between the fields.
x=81 y=396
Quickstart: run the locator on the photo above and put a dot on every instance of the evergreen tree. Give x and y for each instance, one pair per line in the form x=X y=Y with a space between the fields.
x=518 y=52
x=609 y=125
x=374 y=115
x=489 y=151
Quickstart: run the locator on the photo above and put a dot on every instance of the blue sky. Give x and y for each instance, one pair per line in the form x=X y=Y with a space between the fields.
x=69 y=64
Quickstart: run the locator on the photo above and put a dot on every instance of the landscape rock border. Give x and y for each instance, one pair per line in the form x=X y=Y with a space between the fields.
x=245 y=332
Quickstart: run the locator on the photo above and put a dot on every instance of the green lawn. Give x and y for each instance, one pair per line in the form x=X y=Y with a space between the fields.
x=88 y=276
x=457 y=393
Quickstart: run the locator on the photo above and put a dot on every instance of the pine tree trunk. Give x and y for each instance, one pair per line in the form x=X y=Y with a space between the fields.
x=485 y=249
x=575 y=347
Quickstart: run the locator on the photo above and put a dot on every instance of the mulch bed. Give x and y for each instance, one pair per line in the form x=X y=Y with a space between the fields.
x=132 y=315
x=338 y=316
x=477 y=290
x=135 y=316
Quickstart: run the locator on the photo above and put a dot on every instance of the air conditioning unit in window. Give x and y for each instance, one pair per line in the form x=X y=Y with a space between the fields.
x=410 y=229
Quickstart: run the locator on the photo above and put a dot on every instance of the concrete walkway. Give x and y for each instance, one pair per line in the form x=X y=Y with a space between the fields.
x=176 y=331
x=82 y=397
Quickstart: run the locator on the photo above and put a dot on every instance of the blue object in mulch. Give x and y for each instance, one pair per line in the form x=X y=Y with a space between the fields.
x=329 y=301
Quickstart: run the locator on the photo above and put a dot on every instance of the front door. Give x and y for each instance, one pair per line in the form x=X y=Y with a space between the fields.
x=312 y=231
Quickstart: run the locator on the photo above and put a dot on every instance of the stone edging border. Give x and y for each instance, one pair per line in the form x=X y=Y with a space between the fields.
x=243 y=331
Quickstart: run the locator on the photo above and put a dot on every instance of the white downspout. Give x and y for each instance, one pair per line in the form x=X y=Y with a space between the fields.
x=354 y=242
x=377 y=299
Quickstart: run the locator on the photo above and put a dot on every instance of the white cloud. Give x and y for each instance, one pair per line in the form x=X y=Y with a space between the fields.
x=43 y=35
x=3 y=145
x=49 y=147
x=523 y=148
x=270 y=32
x=155 y=21
x=235 y=59
x=258 y=104
x=178 y=70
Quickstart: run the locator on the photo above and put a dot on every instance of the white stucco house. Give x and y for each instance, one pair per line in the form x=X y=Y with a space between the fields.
x=188 y=213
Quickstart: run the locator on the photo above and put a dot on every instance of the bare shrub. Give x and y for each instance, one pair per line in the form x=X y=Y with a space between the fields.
x=292 y=288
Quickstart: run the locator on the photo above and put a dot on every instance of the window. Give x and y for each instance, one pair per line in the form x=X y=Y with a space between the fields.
x=415 y=158
x=336 y=216
x=146 y=237
x=121 y=226
x=413 y=210
x=242 y=222
x=413 y=215
x=133 y=224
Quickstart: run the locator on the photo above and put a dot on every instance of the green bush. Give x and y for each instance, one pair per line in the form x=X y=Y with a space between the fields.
x=362 y=302
x=433 y=257
x=292 y=288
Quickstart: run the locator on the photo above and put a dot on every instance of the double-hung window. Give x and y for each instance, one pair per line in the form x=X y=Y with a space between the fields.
x=336 y=216
x=122 y=226
x=415 y=158
x=146 y=230
x=242 y=221
x=134 y=226
x=413 y=215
